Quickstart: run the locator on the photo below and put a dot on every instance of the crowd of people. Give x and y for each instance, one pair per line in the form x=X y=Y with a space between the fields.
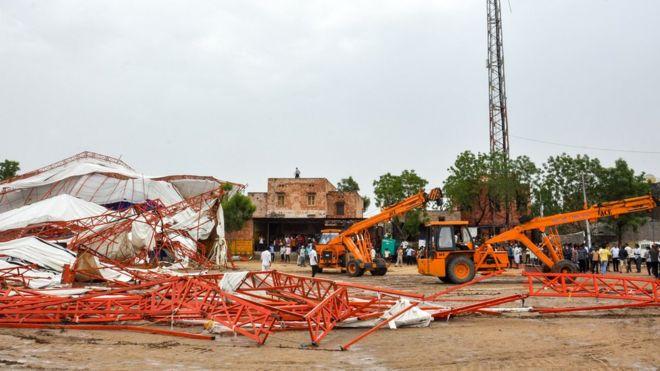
x=285 y=247
x=603 y=259
x=600 y=260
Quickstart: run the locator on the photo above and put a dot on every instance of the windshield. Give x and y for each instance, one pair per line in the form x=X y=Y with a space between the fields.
x=445 y=238
x=326 y=237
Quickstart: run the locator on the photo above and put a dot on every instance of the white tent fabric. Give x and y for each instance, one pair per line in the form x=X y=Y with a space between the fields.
x=97 y=188
x=90 y=179
x=36 y=251
x=143 y=234
x=231 y=280
x=414 y=317
x=193 y=187
x=198 y=223
x=58 y=208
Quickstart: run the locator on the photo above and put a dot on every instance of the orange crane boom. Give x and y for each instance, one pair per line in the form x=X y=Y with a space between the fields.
x=390 y=212
x=549 y=223
x=350 y=249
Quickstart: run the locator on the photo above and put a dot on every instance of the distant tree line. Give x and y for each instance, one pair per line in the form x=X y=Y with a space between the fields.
x=554 y=187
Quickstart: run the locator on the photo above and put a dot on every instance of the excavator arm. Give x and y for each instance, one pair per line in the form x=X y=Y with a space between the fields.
x=355 y=239
x=390 y=212
x=549 y=223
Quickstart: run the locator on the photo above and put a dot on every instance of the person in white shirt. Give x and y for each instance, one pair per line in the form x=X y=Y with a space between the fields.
x=314 y=261
x=373 y=253
x=409 y=255
x=630 y=258
x=287 y=254
x=517 y=251
x=615 y=258
x=638 y=258
x=265 y=260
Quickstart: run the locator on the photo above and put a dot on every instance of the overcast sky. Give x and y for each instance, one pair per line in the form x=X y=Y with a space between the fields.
x=246 y=90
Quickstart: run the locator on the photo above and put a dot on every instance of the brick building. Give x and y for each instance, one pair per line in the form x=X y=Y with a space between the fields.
x=293 y=206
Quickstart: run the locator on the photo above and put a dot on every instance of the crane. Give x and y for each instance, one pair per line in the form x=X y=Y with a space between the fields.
x=452 y=255
x=554 y=259
x=349 y=250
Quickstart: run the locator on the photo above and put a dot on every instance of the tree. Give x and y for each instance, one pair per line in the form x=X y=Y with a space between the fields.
x=8 y=169
x=414 y=220
x=619 y=182
x=350 y=185
x=366 y=201
x=560 y=187
x=237 y=210
x=390 y=189
x=486 y=183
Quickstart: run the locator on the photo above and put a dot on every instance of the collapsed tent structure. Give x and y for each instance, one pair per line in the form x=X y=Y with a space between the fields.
x=100 y=208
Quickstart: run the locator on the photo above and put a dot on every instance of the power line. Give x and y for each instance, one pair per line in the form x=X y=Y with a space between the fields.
x=585 y=147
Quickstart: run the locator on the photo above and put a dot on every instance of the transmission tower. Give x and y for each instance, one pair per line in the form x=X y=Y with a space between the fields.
x=499 y=123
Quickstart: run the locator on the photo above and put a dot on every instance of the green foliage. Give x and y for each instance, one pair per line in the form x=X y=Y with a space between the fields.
x=366 y=202
x=560 y=187
x=414 y=220
x=556 y=187
x=390 y=189
x=348 y=185
x=237 y=210
x=487 y=182
x=619 y=182
x=8 y=169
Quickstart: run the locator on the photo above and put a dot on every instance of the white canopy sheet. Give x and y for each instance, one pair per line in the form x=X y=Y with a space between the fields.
x=36 y=251
x=58 y=208
x=91 y=180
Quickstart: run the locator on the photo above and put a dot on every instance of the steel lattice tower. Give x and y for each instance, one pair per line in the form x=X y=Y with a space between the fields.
x=499 y=122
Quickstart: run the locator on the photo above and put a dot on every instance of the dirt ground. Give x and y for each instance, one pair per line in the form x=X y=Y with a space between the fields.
x=585 y=340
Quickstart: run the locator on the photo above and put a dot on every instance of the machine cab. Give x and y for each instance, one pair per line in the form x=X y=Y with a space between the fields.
x=448 y=236
x=327 y=235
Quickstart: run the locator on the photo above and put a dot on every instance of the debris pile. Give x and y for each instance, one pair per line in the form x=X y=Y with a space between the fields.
x=257 y=304
x=91 y=216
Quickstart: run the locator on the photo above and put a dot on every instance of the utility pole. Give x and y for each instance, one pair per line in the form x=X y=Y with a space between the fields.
x=499 y=122
x=584 y=196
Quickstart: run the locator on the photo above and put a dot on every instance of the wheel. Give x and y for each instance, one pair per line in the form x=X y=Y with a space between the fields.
x=320 y=270
x=460 y=269
x=353 y=269
x=565 y=266
x=381 y=267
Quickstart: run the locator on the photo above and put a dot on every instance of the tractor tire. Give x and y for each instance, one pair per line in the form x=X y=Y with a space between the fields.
x=565 y=266
x=353 y=269
x=381 y=267
x=379 y=271
x=320 y=270
x=460 y=269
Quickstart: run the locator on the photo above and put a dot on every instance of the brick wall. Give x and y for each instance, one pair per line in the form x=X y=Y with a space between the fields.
x=260 y=200
x=352 y=201
x=296 y=195
x=246 y=233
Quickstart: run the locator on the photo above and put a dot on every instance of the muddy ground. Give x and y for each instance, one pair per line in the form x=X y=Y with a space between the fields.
x=614 y=339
